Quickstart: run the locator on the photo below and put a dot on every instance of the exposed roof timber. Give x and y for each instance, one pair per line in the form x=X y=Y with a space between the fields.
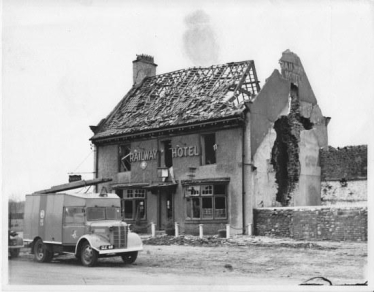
x=245 y=91
x=182 y=97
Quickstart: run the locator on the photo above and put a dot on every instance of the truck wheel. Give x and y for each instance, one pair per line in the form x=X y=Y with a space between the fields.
x=41 y=252
x=14 y=252
x=129 y=257
x=89 y=256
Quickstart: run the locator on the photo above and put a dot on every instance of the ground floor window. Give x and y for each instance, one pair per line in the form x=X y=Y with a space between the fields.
x=206 y=202
x=133 y=204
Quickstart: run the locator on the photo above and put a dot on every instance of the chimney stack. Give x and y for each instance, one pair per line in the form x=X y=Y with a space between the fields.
x=143 y=66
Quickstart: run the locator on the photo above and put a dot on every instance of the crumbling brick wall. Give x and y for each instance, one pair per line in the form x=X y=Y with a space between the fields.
x=344 y=175
x=285 y=153
x=348 y=162
x=313 y=223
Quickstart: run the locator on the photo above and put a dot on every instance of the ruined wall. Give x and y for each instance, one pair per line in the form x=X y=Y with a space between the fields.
x=353 y=192
x=313 y=223
x=344 y=175
x=348 y=162
x=288 y=129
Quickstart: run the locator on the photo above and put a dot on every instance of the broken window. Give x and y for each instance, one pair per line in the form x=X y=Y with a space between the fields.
x=168 y=154
x=206 y=202
x=133 y=204
x=124 y=158
x=209 y=148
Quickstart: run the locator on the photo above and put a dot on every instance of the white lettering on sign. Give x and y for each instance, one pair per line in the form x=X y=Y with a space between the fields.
x=152 y=154
x=143 y=155
x=184 y=151
x=292 y=71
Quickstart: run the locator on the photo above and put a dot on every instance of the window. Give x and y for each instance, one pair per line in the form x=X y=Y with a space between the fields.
x=167 y=155
x=134 y=204
x=73 y=215
x=103 y=213
x=124 y=163
x=206 y=202
x=209 y=148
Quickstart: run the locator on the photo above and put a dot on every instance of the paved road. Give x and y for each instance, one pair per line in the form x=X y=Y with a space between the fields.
x=66 y=270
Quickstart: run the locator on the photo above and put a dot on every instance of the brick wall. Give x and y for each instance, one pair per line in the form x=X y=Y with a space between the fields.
x=313 y=223
x=348 y=162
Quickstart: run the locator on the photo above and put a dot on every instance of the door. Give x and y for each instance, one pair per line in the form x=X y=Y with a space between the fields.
x=73 y=226
x=165 y=210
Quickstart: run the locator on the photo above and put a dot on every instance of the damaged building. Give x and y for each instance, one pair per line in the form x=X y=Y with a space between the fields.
x=208 y=145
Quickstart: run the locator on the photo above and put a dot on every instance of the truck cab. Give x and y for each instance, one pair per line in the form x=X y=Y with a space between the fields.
x=88 y=225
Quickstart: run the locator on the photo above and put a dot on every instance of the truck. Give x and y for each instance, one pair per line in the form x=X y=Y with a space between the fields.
x=15 y=243
x=88 y=225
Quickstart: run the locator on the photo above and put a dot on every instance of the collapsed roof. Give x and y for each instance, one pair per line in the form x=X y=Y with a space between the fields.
x=182 y=97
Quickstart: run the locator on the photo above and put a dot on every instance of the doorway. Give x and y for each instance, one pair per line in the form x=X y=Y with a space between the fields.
x=165 y=209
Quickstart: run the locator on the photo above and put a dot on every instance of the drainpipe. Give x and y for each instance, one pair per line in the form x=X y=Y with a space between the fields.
x=96 y=164
x=244 y=165
x=243 y=173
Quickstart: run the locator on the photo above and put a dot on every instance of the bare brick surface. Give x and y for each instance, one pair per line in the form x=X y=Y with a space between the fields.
x=313 y=223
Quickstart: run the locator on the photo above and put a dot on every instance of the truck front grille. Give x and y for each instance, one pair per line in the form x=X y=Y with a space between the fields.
x=120 y=237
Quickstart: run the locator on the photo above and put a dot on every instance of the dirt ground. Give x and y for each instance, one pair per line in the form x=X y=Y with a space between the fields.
x=260 y=257
x=260 y=260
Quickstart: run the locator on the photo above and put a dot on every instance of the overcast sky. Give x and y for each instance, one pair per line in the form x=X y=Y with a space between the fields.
x=66 y=64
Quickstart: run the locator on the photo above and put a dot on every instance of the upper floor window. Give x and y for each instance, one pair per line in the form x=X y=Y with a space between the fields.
x=124 y=163
x=167 y=154
x=209 y=148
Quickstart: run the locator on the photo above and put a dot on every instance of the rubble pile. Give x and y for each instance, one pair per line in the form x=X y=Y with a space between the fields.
x=238 y=240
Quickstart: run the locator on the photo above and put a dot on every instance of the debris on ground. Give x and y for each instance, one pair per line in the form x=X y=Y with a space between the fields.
x=237 y=240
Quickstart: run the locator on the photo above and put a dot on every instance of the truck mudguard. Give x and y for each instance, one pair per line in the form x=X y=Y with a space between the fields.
x=97 y=242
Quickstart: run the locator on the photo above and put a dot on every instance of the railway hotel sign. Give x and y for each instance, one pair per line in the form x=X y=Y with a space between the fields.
x=152 y=154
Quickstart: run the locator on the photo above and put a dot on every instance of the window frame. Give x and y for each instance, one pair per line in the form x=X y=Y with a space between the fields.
x=74 y=222
x=165 y=153
x=200 y=198
x=204 y=146
x=135 y=196
x=122 y=164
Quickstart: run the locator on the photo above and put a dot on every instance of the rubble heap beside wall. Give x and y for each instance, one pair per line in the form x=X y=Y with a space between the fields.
x=313 y=223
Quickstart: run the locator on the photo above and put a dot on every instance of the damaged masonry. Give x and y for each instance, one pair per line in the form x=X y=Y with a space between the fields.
x=208 y=145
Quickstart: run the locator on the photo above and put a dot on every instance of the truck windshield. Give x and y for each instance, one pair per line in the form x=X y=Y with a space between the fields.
x=103 y=213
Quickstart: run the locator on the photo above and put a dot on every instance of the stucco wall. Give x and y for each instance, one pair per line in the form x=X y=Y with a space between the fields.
x=265 y=187
x=313 y=223
x=354 y=193
x=308 y=189
x=287 y=172
x=107 y=164
x=228 y=165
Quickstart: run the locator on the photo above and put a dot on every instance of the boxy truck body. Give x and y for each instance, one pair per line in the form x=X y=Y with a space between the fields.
x=84 y=224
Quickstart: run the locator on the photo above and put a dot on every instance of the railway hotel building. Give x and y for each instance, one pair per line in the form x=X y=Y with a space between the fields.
x=208 y=145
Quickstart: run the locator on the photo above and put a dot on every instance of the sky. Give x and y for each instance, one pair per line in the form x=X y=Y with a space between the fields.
x=66 y=64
